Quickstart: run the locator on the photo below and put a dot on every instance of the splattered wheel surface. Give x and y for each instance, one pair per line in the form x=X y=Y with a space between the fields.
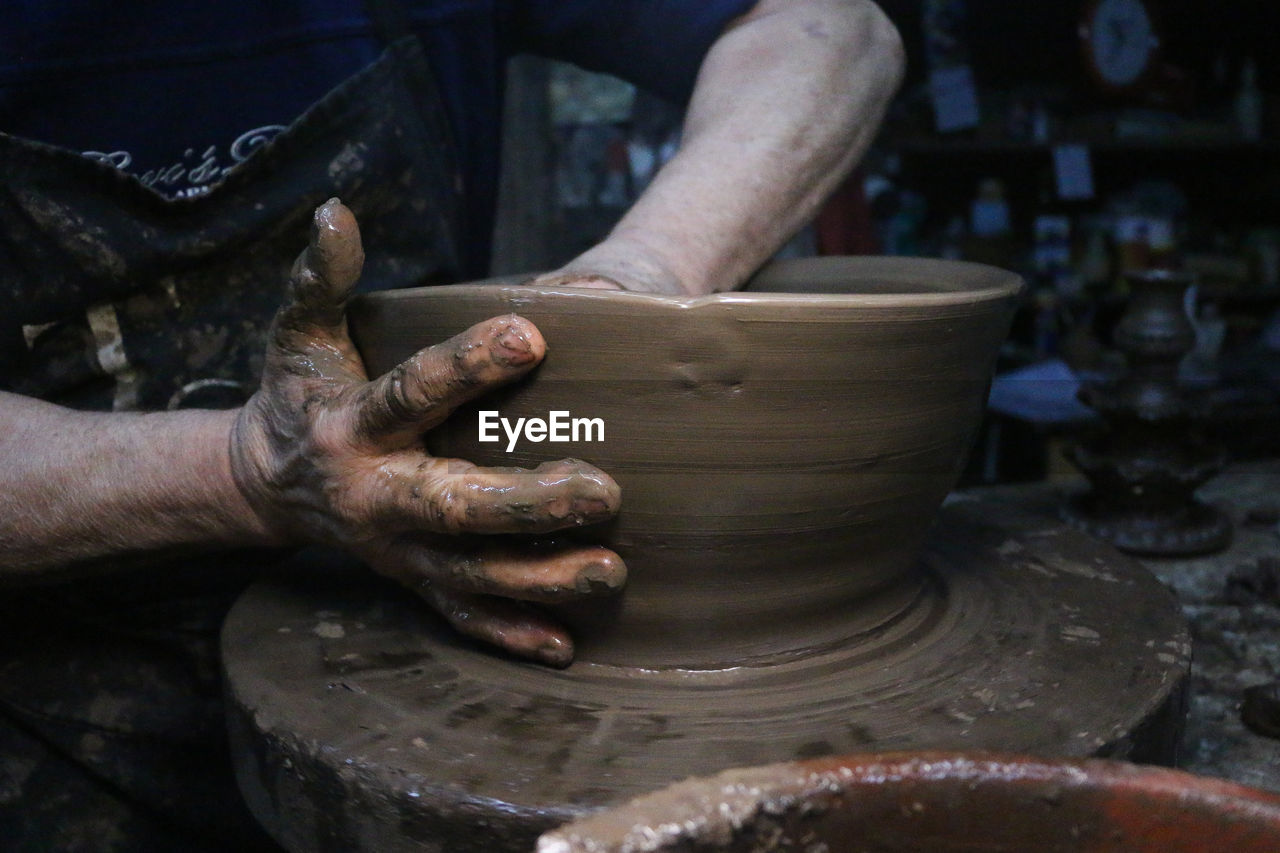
x=361 y=723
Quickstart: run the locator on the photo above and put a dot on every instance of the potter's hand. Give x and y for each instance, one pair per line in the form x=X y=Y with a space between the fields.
x=323 y=454
x=616 y=264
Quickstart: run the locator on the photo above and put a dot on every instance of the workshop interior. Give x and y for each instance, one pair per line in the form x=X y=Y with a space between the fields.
x=957 y=528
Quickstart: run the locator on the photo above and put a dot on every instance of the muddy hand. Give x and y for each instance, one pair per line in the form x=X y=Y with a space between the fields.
x=323 y=454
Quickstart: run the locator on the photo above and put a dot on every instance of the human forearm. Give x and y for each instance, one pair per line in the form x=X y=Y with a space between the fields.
x=787 y=101
x=75 y=486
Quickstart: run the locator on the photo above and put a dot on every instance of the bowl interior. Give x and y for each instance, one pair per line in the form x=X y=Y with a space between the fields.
x=884 y=277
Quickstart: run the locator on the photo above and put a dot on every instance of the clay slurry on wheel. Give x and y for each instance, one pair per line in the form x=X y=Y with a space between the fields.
x=1025 y=636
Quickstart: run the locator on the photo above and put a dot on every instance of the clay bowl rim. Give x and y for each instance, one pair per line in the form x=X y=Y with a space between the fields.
x=956 y=283
x=665 y=816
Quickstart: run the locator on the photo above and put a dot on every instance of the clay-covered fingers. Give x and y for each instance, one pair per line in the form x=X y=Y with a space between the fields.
x=485 y=592
x=451 y=496
x=423 y=390
x=539 y=572
x=510 y=625
x=324 y=276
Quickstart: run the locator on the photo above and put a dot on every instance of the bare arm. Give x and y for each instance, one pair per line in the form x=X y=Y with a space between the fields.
x=786 y=103
x=80 y=485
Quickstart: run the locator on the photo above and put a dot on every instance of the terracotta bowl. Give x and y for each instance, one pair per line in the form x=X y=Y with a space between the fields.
x=781 y=451
x=937 y=802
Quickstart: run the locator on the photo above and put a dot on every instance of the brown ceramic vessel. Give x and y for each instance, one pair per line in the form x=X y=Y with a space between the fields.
x=781 y=451
x=936 y=802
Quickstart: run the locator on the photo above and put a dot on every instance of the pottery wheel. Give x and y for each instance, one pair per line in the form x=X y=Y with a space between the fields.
x=361 y=723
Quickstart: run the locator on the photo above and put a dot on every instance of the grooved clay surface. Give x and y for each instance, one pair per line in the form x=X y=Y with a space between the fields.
x=748 y=432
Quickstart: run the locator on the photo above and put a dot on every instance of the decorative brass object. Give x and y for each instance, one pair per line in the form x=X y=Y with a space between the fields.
x=1147 y=462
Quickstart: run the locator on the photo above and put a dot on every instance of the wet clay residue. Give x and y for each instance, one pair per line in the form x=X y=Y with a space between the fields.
x=1016 y=624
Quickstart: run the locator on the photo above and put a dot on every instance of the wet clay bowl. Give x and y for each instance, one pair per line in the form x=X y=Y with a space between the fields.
x=937 y=802
x=781 y=451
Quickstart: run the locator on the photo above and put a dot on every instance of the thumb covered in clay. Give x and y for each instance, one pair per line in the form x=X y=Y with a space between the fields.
x=325 y=274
